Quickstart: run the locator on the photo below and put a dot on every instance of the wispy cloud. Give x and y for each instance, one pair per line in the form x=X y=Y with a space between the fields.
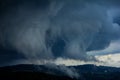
x=42 y=30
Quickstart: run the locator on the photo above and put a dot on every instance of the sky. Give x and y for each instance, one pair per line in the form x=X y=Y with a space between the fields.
x=36 y=31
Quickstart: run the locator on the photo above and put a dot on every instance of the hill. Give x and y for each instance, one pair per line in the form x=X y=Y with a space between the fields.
x=40 y=72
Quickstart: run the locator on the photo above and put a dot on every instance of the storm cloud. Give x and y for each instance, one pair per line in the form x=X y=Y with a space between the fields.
x=47 y=29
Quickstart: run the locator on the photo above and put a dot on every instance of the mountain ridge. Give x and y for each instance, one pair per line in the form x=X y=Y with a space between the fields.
x=42 y=72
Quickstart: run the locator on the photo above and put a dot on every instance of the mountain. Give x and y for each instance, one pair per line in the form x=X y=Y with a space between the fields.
x=40 y=72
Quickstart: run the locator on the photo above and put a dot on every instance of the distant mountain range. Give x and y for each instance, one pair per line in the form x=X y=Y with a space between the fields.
x=52 y=72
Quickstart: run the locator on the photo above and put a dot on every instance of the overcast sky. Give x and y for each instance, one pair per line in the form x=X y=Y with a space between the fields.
x=38 y=30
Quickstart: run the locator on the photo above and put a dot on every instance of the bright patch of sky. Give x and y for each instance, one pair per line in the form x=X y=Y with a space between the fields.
x=112 y=60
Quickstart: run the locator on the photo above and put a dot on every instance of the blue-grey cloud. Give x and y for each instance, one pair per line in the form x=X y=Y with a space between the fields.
x=46 y=29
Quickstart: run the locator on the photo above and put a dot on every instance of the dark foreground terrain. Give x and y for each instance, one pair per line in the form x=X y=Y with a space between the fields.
x=36 y=72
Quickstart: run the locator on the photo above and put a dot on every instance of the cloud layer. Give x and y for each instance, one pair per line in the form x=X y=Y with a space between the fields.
x=40 y=29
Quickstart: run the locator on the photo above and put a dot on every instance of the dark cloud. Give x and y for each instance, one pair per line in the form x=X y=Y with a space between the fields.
x=46 y=29
x=7 y=56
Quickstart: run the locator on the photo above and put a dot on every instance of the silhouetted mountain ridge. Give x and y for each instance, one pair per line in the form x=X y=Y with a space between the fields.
x=43 y=72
